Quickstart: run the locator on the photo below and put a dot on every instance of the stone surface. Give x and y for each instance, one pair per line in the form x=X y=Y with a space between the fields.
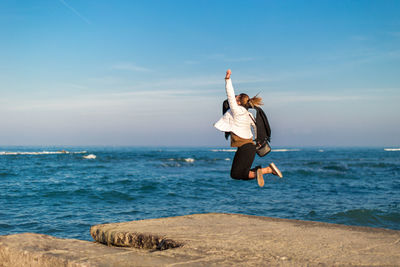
x=209 y=240
x=251 y=240
x=38 y=250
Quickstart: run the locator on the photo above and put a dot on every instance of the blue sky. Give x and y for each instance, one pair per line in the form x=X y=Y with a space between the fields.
x=152 y=72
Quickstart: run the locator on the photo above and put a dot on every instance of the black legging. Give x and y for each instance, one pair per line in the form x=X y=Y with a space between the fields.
x=242 y=161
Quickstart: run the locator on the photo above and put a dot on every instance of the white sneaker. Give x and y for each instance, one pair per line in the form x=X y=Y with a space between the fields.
x=260 y=178
x=275 y=170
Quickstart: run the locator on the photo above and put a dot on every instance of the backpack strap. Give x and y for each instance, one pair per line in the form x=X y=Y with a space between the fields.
x=255 y=124
x=252 y=119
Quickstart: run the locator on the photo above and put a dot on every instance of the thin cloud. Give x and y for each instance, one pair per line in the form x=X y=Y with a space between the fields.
x=75 y=86
x=75 y=12
x=130 y=67
x=395 y=34
x=220 y=58
x=191 y=62
x=292 y=97
x=170 y=83
x=106 y=80
x=240 y=59
x=226 y=58
x=91 y=102
x=215 y=56
x=360 y=37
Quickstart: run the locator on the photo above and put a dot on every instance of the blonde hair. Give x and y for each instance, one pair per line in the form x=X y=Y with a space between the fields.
x=248 y=102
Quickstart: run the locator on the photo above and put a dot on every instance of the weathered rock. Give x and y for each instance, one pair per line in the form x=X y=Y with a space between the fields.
x=210 y=240
x=132 y=239
x=226 y=239
x=38 y=250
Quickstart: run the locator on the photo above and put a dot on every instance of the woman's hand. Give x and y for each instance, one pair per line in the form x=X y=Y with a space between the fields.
x=228 y=74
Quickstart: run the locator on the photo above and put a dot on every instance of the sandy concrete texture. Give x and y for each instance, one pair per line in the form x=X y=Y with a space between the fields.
x=36 y=250
x=232 y=239
x=212 y=239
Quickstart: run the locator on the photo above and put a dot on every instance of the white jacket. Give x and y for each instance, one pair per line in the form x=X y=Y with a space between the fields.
x=236 y=119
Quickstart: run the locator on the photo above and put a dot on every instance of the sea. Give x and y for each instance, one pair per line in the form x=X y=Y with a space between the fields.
x=63 y=191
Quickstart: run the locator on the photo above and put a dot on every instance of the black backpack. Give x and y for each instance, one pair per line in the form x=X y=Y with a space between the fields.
x=263 y=129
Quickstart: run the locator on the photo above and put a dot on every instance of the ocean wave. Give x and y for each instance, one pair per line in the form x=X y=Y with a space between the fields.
x=302 y=172
x=168 y=165
x=373 y=217
x=285 y=150
x=7 y=174
x=370 y=165
x=313 y=163
x=90 y=156
x=357 y=215
x=65 y=191
x=273 y=150
x=223 y=150
x=115 y=196
x=333 y=167
x=177 y=162
x=335 y=171
x=189 y=160
x=6 y=153
x=391 y=149
x=5 y=226
x=146 y=188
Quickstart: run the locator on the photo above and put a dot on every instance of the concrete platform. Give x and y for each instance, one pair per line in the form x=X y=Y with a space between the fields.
x=38 y=250
x=210 y=240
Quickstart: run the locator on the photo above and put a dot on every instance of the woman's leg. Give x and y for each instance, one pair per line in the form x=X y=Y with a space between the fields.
x=242 y=162
x=269 y=169
x=253 y=174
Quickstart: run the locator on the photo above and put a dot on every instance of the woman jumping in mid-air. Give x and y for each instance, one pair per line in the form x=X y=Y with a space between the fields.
x=238 y=121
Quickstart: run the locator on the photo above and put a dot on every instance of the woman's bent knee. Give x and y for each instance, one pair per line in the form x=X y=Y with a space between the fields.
x=239 y=176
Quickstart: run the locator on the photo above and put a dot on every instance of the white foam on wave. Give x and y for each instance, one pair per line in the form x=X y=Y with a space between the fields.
x=6 y=153
x=392 y=149
x=273 y=150
x=285 y=150
x=90 y=156
x=223 y=150
x=190 y=160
